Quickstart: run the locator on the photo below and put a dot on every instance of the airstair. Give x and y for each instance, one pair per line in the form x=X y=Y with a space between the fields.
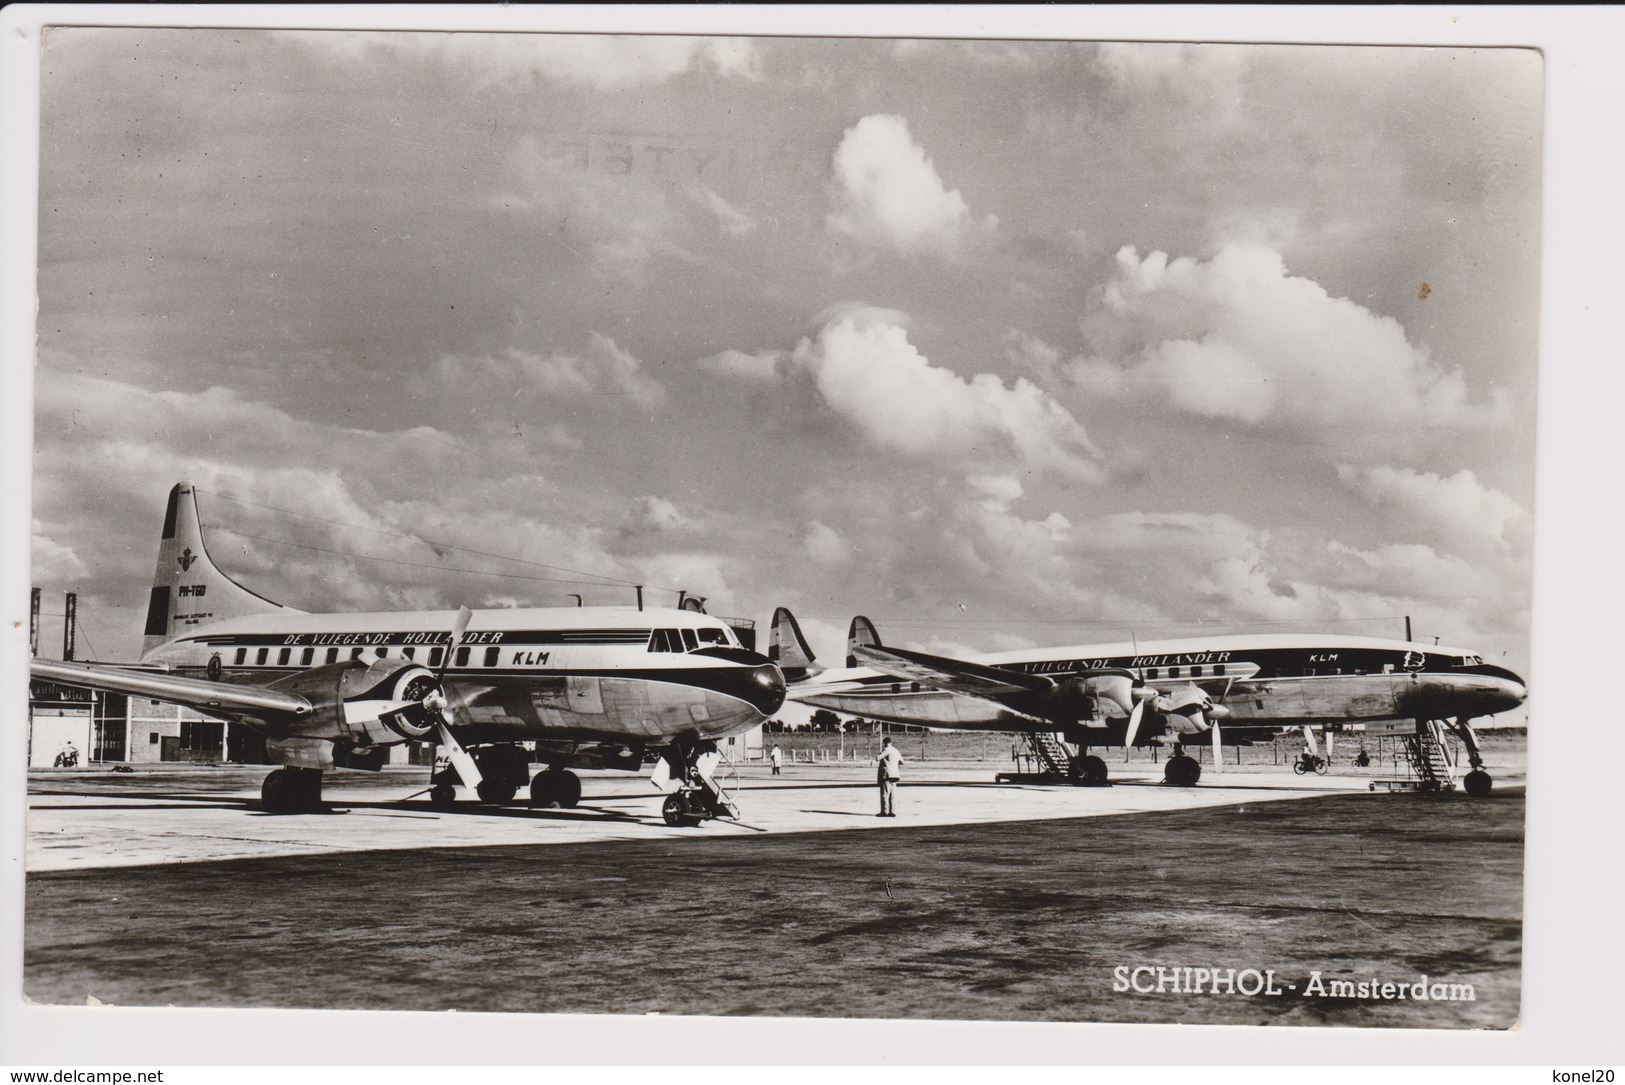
x=1429 y=761
x=1048 y=761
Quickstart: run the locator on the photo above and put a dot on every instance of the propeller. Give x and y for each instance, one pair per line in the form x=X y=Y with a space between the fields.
x=444 y=706
x=439 y=700
x=1134 y=723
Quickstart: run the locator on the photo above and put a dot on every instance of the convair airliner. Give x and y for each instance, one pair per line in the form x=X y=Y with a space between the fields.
x=1172 y=691
x=591 y=687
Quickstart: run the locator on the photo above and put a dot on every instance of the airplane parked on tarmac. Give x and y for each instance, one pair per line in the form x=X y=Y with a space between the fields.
x=592 y=687
x=1170 y=692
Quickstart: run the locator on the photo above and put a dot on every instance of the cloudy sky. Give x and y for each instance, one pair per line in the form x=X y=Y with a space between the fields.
x=999 y=343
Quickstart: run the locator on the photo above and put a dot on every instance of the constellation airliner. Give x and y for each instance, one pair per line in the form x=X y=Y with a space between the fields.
x=592 y=687
x=1172 y=691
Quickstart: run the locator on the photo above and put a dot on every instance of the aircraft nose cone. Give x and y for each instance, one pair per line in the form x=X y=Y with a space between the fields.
x=769 y=680
x=1517 y=691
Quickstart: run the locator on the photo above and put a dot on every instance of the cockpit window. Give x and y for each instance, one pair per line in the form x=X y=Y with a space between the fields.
x=689 y=641
x=712 y=636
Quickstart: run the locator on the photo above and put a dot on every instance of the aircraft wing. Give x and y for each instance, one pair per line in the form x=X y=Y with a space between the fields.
x=950 y=675
x=222 y=699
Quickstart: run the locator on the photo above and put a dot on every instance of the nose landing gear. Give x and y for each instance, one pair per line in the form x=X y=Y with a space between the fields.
x=698 y=796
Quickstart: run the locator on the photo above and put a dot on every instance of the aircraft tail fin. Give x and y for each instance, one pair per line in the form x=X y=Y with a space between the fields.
x=788 y=648
x=861 y=634
x=188 y=589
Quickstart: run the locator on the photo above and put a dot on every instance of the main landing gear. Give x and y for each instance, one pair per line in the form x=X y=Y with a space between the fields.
x=502 y=770
x=1181 y=769
x=291 y=791
x=555 y=788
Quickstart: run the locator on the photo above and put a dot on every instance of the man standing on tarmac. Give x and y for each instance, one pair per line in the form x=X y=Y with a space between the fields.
x=888 y=768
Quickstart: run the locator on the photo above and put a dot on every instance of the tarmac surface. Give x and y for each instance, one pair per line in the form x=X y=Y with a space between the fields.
x=195 y=814
x=982 y=901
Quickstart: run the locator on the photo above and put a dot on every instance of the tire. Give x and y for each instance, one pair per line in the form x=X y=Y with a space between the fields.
x=1092 y=772
x=1182 y=771
x=675 y=811
x=274 y=792
x=1297 y=767
x=568 y=789
x=494 y=793
x=1322 y=767
x=1477 y=783
x=442 y=796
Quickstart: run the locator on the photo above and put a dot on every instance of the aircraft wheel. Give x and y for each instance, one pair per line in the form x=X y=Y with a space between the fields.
x=675 y=812
x=1092 y=772
x=494 y=793
x=568 y=789
x=442 y=796
x=274 y=797
x=1477 y=783
x=1182 y=771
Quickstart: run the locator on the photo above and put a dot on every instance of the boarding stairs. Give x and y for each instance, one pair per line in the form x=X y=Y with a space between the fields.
x=1051 y=759
x=1431 y=768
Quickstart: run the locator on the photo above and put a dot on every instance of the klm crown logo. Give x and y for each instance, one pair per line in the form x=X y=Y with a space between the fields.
x=187 y=558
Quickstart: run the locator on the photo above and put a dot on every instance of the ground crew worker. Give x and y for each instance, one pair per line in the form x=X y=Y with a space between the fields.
x=776 y=758
x=888 y=769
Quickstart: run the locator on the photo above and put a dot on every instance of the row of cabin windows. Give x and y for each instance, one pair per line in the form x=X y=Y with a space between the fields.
x=307 y=656
x=661 y=640
x=685 y=640
x=1174 y=672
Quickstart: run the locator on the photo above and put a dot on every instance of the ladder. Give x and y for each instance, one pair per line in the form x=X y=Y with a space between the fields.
x=1051 y=752
x=1429 y=763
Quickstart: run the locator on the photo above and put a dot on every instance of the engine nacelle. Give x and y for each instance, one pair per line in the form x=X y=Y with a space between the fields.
x=365 y=704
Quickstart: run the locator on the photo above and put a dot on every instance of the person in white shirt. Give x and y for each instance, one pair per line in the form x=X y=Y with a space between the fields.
x=888 y=768
x=775 y=757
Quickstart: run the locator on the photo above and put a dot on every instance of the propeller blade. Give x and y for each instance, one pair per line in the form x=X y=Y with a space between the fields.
x=458 y=628
x=1134 y=723
x=1328 y=745
x=441 y=700
x=1218 y=746
x=1309 y=737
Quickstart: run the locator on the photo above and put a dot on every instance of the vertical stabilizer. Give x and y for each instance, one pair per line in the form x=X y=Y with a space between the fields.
x=861 y=634
x=788 y=648
x=188 y=591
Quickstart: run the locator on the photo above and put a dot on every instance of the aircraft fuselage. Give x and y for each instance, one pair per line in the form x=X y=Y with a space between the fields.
x=1264 y=680
x=612 y=674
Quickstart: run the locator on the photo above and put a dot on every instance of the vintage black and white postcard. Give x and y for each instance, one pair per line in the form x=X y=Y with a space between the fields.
x=783 y=526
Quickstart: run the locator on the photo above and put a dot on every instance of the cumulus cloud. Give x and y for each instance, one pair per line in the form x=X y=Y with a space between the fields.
x=658 y=514
x=603 y=370
x=734 y=222
x=52 y=561
x=599 y=61
x=760 y=367
x=866 y=370
x=1458 y=507
x=1197 y=75
x=1238 y=338
x=997 y=491
x=824 y=544
x=888 y=194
